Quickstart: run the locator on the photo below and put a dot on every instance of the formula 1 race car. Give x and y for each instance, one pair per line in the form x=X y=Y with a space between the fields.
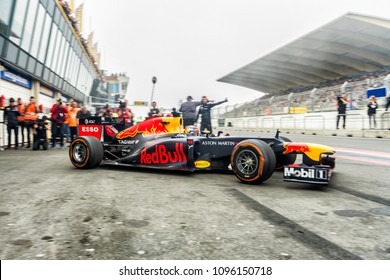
x=162 y=143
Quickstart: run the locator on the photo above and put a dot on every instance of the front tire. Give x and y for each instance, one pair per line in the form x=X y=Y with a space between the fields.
x=253 y=161
x=86 y=152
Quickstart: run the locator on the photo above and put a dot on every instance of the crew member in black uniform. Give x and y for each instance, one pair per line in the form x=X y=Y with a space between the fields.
x=205 y=111
x=11 y=114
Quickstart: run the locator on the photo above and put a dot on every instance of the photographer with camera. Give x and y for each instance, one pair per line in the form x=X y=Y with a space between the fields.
x=125 y=116
x=39 y=131
x=105 y=111
x=59 y=113
x=342 y=102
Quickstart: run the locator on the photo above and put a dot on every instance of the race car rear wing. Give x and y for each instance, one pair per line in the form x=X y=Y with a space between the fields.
x=99 y=127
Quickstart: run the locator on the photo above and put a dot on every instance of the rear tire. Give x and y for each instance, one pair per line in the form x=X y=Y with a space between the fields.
x=86 y=152
x=253 y=161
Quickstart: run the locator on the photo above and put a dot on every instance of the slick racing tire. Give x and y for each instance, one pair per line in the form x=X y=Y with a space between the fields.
x=86 y=152
x=253 y=161
x=287 y=159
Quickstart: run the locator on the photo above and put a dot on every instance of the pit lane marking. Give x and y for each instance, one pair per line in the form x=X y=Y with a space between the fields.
x=308 y=238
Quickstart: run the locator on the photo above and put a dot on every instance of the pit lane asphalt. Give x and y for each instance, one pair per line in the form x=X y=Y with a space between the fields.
x=50 y=210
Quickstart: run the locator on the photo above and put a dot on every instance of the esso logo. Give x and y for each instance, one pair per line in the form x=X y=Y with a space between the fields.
x=89 y=129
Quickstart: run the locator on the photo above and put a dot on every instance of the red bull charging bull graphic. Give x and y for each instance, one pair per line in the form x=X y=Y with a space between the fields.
x=150 y=126
x=295 y=147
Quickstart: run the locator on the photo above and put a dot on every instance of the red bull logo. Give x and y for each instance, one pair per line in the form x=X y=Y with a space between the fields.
x=295 y=147
x=160 y=155
x=150 y=126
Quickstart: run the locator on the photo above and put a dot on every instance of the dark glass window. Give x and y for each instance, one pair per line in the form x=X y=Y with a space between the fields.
x=38 y=69
x=5 y=15
x=59 y=55
x=31 y=64
x=44 y=3
x=62 y=24
x=52 y=43
x=56 y=51
x=57 y=15
x=2 y=41
x=22 y=61
x=64 y=59
x=51 y=6
x=45 y=38
x=29 y=25
x=12 y=53
x=46 y=74
x=37 y=31
x=18 y=21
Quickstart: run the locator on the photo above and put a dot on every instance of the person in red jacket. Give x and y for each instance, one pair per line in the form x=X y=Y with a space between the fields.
x=59 y=113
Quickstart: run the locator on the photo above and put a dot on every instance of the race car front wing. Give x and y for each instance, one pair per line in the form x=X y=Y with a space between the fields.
x=317 y=174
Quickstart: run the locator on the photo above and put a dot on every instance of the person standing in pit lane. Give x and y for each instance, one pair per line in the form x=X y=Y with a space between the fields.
x=58 y=112
x=387 y=104
x=72 y=120
x=154 y=111
x=21 y=124
x=83 y=114
x=30 y=116
x=11 y=114
x=371 y=112
x=125 y=116
x=205 y=112
x=342 y=102
x=188 y=109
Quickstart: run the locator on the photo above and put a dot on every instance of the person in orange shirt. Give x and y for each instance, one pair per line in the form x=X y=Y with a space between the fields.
x=65 y=126
x=30 y=116
x=72 y=120
x=21 y=109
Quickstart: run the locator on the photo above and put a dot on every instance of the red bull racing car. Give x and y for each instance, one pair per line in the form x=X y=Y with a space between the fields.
x=162 y=143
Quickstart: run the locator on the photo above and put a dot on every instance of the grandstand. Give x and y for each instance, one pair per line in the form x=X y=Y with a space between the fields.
x=348 y=55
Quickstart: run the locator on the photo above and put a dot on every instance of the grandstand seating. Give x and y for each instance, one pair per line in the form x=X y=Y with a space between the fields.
x=323 y=100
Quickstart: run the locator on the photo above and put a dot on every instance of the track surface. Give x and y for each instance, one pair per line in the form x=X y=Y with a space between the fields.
x=49 y=210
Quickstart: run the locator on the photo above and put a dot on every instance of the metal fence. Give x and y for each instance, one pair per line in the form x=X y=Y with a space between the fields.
x=355 y=120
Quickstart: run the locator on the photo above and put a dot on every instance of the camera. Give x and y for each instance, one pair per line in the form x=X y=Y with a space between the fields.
x=122 y=105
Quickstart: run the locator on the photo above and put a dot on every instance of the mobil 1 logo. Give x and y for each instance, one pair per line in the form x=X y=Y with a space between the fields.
x=306 y=174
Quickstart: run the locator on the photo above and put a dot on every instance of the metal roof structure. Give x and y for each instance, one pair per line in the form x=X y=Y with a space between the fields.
x=347 y=46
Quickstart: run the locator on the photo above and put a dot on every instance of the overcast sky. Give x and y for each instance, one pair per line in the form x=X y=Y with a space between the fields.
x=189 y=44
